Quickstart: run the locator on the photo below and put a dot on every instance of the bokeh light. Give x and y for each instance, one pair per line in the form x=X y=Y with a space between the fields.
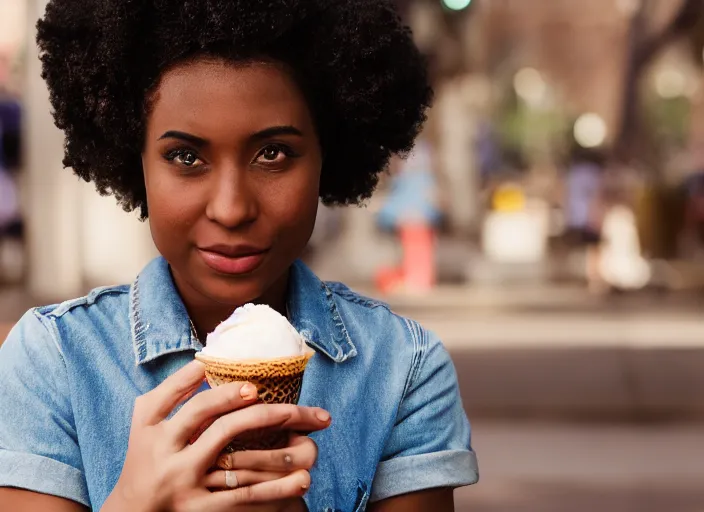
x=456 y=5
x=670 y=83
x=590 y=130
x=530 y=86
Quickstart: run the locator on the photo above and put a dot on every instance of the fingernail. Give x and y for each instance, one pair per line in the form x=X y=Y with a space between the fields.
x=305 y=487
x=323 y=416
x=248 y=391
x=223 y=462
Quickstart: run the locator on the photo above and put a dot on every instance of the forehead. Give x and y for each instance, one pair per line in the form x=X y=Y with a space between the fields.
x=216 y=95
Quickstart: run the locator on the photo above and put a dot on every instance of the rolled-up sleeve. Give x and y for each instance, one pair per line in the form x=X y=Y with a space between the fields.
x=38 y=443
x=430 y=445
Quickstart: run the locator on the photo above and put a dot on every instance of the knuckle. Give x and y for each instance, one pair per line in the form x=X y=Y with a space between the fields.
x=232 y=393
x=245 y=494
x=267 y=414
x=286 y=413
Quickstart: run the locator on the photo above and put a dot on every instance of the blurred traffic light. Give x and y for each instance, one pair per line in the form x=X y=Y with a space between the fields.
x=456 y=5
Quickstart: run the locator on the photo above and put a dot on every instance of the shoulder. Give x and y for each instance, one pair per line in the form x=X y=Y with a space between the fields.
x=98 y=299
x=355 y=306
x=49 y=335
x=69 y=319
x=375 y=322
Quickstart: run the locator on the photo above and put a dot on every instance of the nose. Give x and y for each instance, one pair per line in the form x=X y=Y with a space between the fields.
x=232 y=202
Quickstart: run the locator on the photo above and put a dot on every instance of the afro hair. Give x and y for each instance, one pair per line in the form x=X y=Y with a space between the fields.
x=365 y=80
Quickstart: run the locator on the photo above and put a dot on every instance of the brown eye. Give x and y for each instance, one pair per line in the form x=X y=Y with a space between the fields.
x=275 y=156
x=271 y=153
x=188 y=159
x=185 y=158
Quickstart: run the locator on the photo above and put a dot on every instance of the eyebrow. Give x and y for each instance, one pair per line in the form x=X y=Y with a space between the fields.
x=266 y=133
x=186 y=137
x=277 y=130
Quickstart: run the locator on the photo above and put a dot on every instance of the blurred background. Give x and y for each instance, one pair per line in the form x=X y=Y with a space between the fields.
x=549 y=227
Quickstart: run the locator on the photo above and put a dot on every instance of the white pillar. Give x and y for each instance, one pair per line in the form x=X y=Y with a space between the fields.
x=116 y=245
x=52 y=202
x=76 y=239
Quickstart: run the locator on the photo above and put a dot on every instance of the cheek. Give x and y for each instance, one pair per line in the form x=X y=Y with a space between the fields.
x=171 y=209
x=297 y=204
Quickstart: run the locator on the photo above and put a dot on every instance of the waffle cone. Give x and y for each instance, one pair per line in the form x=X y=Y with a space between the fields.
x=278 y=381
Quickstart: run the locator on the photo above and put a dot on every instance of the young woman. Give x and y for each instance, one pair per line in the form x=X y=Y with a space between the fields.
x=223 y=122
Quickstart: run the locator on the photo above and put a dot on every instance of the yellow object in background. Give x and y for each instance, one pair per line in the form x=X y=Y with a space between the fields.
x=508 y=198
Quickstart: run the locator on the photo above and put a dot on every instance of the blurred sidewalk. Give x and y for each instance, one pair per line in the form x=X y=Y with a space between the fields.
x=557 y=352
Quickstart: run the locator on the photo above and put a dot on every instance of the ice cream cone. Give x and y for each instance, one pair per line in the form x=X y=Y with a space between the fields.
x=278 y=381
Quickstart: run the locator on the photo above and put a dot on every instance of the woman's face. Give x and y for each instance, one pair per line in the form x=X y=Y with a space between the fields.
x=232 y=170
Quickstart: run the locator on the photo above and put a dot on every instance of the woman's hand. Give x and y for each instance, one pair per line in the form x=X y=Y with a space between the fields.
x=249 y=467
x=163 y=472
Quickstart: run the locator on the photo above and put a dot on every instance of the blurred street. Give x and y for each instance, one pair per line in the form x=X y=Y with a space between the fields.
x=564 y=467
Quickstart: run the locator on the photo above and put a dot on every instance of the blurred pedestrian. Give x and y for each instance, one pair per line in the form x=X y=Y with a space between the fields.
x=10 y=118
x=9 y=200
x=412 y=213
x=11 y=226
x=583 y=209
x=11 y=250
x=621 y=264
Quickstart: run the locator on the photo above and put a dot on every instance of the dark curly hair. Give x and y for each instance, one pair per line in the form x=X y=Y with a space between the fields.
x=365 y=81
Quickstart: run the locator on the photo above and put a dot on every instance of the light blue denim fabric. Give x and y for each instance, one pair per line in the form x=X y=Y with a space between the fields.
x=70 y=373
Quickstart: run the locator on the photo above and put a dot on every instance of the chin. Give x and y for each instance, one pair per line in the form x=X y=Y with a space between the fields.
x=233 y=291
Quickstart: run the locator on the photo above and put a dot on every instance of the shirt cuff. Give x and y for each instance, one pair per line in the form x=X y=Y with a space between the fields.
x=43 y=475
x=402 y=475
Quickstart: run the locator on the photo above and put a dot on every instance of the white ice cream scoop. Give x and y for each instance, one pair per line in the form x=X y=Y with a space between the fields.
x=254 y=331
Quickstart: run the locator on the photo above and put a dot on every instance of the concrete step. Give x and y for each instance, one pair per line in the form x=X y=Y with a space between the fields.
x=646 y=364
x=598 y=383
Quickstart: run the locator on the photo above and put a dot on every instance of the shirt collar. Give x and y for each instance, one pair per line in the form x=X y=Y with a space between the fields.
x=314 y=313
x=160 y=324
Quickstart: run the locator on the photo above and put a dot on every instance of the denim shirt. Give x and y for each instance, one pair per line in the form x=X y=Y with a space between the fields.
x=71 y=372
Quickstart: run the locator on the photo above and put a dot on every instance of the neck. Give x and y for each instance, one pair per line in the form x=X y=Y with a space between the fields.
x=207 y=313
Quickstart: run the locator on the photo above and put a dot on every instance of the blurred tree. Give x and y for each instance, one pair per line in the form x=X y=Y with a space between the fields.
x=645 y=43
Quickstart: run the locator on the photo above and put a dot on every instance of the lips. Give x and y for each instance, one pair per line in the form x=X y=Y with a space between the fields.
x=233 y=259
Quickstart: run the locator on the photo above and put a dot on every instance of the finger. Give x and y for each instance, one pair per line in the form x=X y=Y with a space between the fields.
x=208 y=405
x=154 y=406
x=218 y=480
x=258 y=416
x=301 y=455
x=227 y=460
x=294 y=485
